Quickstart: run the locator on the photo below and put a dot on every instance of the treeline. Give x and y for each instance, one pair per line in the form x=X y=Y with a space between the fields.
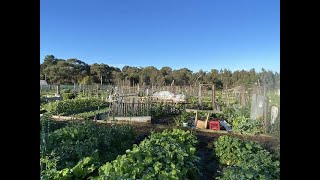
x=70 y=71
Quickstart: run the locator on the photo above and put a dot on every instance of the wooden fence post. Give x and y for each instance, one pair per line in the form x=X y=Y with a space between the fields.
x=213 y=98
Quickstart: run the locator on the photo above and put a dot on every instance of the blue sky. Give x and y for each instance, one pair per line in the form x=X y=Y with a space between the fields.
x=197 y=34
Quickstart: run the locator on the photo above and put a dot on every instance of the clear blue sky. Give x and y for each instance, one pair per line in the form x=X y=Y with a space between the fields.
x=197 y=34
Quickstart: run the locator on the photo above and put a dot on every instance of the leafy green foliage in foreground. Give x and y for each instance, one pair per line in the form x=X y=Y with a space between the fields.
x=245 y=160
x=80 y=171
x=166 y=155
x=76 y=141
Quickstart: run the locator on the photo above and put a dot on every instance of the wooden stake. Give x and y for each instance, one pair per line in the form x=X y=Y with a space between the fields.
x=213 y=98
x=206 y=123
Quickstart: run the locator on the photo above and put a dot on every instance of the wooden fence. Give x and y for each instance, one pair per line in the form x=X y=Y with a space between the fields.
x=126 y=109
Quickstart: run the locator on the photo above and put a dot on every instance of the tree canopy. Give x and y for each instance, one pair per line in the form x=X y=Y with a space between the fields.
x=60 y=71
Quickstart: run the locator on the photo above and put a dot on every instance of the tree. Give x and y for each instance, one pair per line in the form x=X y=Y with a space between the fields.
x=267 y=78
x=117 y=76
x=148 y=75
x=112 y=72
x=214 y=77
x=98 y=71
x=87 y=80
x=48 y=60
x=277 y=80
x=59 y=73
x=131 y=73
x=166 y=75
x=79 y=69
x=182 y=76
x=226 y=77
x=198 y=77
x=73 y=70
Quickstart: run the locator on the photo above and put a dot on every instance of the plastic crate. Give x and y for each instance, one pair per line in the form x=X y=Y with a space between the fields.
x=214 y=125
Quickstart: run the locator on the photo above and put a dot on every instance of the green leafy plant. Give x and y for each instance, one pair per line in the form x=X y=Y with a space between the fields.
x=193 y=102
x=74 y=106
x=206 y=103
x=166 y=155
x=242 y=124
x=235 y=110
x=79 y=140
x=80 y=171
x=184 y=117
x=245 y=159
x=202 y=115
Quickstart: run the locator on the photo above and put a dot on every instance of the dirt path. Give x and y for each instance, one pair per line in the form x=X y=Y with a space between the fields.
x=208 y=164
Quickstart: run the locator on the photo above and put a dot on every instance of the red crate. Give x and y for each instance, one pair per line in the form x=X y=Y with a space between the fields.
x=214 y=125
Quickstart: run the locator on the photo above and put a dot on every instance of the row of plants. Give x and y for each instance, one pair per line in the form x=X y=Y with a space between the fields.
x=65 y=147
x=92 y=114
x=71 y=94
x=241 y=159
x=73 y=106
x=166 y=155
